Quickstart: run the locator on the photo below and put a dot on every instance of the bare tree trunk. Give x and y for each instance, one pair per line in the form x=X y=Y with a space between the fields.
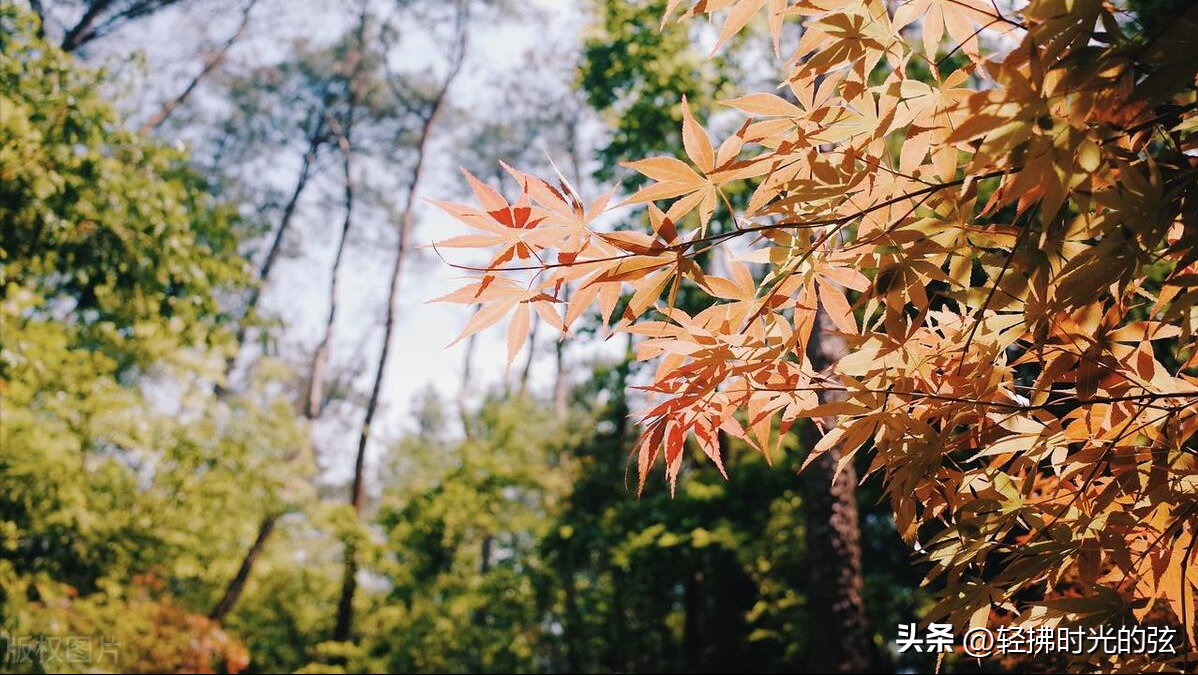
x=212 y=61
x=314 y=398
x=407 y=217
x=561 y=377
x=315 y=139
x=532 y=350
x=89 y=27
x=836 y=625
x=237 y=583
x=465 y=390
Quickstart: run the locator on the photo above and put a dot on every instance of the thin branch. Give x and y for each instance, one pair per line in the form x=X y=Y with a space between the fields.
x=1004 y=405
x=211 y=63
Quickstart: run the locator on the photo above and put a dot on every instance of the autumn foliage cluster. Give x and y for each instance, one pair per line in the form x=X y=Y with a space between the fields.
x=997 y=211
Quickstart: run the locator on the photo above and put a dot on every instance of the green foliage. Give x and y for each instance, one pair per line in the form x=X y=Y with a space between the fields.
x=118 y=462
x=113 y=232
x=462 y=552
x=701 y=582
x=286 y=613
x=637 y=73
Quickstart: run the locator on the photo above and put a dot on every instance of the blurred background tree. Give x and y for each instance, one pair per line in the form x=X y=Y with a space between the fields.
x=123 y=482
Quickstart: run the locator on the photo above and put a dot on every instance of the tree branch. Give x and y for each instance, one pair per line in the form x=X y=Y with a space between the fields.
x=211 y=63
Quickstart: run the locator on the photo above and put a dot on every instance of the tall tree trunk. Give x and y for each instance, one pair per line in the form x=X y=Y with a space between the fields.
x=89 y=26
x=837 y=632
x=345 y=607
x=314 y=397
x=532 y=350
x=212 y=61
x=561 y=376
x=465 y=390
x=315 y=139
x=237 y=583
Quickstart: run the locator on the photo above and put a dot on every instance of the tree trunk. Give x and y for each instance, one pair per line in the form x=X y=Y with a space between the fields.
x=532 y=350
x=314 y=397
x=465 y=390
x=561 y=376
x=315 y=140
x=237 y=583
x=89 y=26
x=211 y=63
x=345 y=610
x=233 y=591
x=837 y=633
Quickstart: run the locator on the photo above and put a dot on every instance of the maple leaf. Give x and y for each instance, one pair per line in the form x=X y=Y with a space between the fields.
x=509 y=226
x=676 y=179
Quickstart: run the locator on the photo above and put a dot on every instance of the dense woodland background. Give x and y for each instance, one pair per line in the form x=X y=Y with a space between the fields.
x=210 y=265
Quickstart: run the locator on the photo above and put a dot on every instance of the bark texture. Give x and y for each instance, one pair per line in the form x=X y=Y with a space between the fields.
x=838 y=636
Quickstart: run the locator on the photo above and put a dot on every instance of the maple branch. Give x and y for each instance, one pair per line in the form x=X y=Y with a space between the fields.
x=721 y=237
x=1106 y=453
x=977 y=317
x=731 y=234
x=1003 y=405
x=962 y=43
x=997 y=15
